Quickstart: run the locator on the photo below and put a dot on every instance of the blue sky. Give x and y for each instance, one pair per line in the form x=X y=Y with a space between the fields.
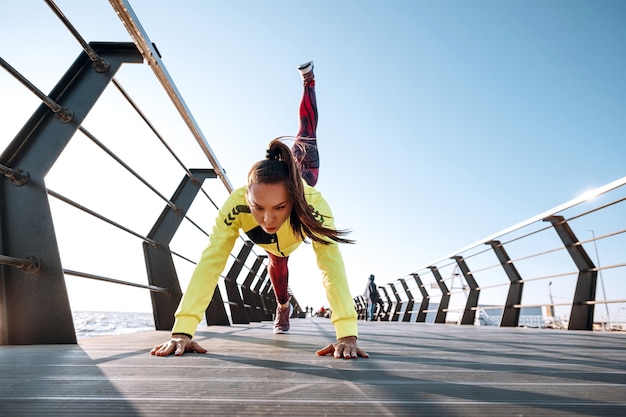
x=441 y=122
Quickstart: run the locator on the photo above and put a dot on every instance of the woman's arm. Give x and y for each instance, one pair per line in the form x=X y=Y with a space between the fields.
x=203 y=282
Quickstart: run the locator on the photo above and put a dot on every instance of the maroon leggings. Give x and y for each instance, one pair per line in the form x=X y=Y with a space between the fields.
x=309 y=165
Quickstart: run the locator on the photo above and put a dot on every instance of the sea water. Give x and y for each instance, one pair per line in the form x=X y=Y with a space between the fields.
x=100 y=323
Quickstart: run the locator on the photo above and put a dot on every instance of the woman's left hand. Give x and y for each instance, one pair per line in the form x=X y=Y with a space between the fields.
x=344 y=348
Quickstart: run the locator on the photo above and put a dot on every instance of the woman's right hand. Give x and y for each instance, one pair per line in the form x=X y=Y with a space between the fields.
x=177 y=345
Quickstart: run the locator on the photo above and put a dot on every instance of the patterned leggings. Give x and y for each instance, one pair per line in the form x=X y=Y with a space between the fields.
x=309 y=165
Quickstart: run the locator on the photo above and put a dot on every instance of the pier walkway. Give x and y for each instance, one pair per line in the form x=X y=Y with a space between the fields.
x=414 y=369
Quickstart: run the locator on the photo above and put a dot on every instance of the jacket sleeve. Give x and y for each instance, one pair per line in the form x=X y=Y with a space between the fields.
x=207 y=272
x=330 y=263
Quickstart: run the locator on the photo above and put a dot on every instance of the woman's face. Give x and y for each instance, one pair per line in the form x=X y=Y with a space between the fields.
x=270 y=205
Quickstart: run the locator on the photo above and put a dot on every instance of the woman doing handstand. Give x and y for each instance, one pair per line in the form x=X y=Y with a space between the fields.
x=278 y=211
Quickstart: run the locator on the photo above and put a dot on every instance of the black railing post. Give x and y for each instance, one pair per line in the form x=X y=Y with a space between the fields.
x=36 y=308
x=215 y=313
x=469 y=314
x=361 y=307
x=445 y=296
x=248 y=294
x=237 y=309
x=409 y=306
x=386 y=312
x=259 y=296
x=159 y=263
x=268 y=297
x=510 y=316
x=581 y=317
x=297 y=308
x=398 y=304
x=421 y=314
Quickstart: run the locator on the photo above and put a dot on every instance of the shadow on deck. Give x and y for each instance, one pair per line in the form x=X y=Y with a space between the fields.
x=413 y=369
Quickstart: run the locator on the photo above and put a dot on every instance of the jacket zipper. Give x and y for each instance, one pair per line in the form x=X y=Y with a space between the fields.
x=278 y=246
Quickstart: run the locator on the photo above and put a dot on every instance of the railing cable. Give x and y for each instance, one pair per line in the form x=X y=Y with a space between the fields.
x=152 y=288
x=30 y=264
x=558 y=209
x=99 y=63
x=161 y=139
x=151 y=126
x=128 y=168
x=151 y=242
x=183 y=257
x=14 y=175
x=139 y=177
x=210 y=199
x=64 y=115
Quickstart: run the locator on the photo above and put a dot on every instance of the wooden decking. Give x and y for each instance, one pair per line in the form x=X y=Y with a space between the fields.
x=413 y=369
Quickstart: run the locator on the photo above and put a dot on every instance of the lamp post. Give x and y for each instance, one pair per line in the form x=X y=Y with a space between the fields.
x=551 y=304
x=606 y=306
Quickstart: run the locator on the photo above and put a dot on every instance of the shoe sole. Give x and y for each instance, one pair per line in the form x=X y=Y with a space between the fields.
x=279 y=331
x=306 y=65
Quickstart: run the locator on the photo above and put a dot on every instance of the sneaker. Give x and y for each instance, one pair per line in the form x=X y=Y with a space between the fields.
x=306 y=70
x=281 y=323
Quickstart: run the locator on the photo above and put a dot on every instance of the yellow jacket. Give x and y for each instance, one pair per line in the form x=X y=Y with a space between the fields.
x=235 y=215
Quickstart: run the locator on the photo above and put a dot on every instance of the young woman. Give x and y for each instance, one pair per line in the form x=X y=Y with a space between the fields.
x=278 y=211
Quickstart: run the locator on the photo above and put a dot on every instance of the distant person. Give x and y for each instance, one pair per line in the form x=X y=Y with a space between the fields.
x=371 y=297
x=278 y=209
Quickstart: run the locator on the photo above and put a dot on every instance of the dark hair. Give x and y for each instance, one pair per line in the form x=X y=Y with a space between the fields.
x=278 y=166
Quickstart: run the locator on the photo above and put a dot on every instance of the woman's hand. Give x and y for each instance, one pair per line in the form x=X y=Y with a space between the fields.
x=344 y=348
x=177 y=345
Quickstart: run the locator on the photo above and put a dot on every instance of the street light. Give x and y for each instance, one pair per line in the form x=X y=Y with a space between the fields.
x=551 y=303
x=606 y=306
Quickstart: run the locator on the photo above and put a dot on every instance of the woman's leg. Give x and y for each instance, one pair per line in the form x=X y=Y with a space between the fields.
x=279 y=275
x=305 y=148
x=305 y=151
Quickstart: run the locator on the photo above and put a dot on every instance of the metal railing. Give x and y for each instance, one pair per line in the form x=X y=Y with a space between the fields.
x=35 y=307
x=541 y=272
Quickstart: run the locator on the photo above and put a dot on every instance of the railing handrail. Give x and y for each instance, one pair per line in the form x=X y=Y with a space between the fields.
x=567 y=205
x=151 y=55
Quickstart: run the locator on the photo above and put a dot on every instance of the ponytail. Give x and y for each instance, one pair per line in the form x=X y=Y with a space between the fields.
x=280 y=165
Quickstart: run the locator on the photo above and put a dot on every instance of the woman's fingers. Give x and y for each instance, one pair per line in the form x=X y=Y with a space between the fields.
x=163 y=349
x=326 y=351
x=362 y=353
x=195 y=347
x=345 y=351
x=178 y=347
x=340 y=350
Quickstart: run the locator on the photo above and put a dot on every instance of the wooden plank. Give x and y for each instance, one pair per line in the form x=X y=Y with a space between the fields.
x=414 y=368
